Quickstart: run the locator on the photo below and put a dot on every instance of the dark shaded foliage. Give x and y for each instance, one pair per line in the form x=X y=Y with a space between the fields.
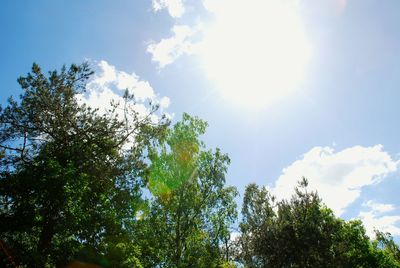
x=66 y=184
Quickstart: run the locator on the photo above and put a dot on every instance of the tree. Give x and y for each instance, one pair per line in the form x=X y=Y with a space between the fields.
x=68 y=183
x=302 y=232
x=386 y=250
x=191 y=209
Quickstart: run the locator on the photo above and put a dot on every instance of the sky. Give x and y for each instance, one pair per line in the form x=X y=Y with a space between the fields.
x=290 y=88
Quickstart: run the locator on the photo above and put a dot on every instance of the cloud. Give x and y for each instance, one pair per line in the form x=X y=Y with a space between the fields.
x=337 y=176
x=324 y=8
x=168 y=50
x=109 y=84
x=379 y=207
x=175 y=7
x=375 y=218
x=164 y=103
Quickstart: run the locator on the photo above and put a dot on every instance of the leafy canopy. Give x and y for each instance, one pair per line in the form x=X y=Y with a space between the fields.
x=303 y=232
x=67 y=182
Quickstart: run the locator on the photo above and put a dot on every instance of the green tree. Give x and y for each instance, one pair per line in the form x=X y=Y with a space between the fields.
x=191 y=210
x=303 y=232
x=68 y=183
x=386 y=250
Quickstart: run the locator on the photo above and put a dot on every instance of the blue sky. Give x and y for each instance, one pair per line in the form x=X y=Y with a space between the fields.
x=288 y=87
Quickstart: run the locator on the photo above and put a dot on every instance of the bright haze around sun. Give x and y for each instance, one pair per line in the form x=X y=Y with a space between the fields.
x=256 y=52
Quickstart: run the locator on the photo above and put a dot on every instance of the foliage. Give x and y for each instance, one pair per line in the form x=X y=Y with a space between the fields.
x=191 y=210
x=302 y=232
x=67 y=185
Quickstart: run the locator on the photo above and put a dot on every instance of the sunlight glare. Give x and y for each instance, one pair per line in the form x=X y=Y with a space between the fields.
x=256 y=51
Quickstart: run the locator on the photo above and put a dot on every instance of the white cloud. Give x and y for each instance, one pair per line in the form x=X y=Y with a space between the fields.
x=379 y=207
x=175 y=7
x=375 y=218
x=324 y=8
x=337 y=176
x=107 y=76
x=164 y=103
x=109 y=84
x=211 y=6
x=168 y=50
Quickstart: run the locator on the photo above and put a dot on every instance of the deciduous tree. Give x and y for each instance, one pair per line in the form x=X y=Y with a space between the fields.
x=191 y=209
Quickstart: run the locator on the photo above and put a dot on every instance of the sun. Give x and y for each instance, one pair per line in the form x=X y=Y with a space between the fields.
x=256 y=51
